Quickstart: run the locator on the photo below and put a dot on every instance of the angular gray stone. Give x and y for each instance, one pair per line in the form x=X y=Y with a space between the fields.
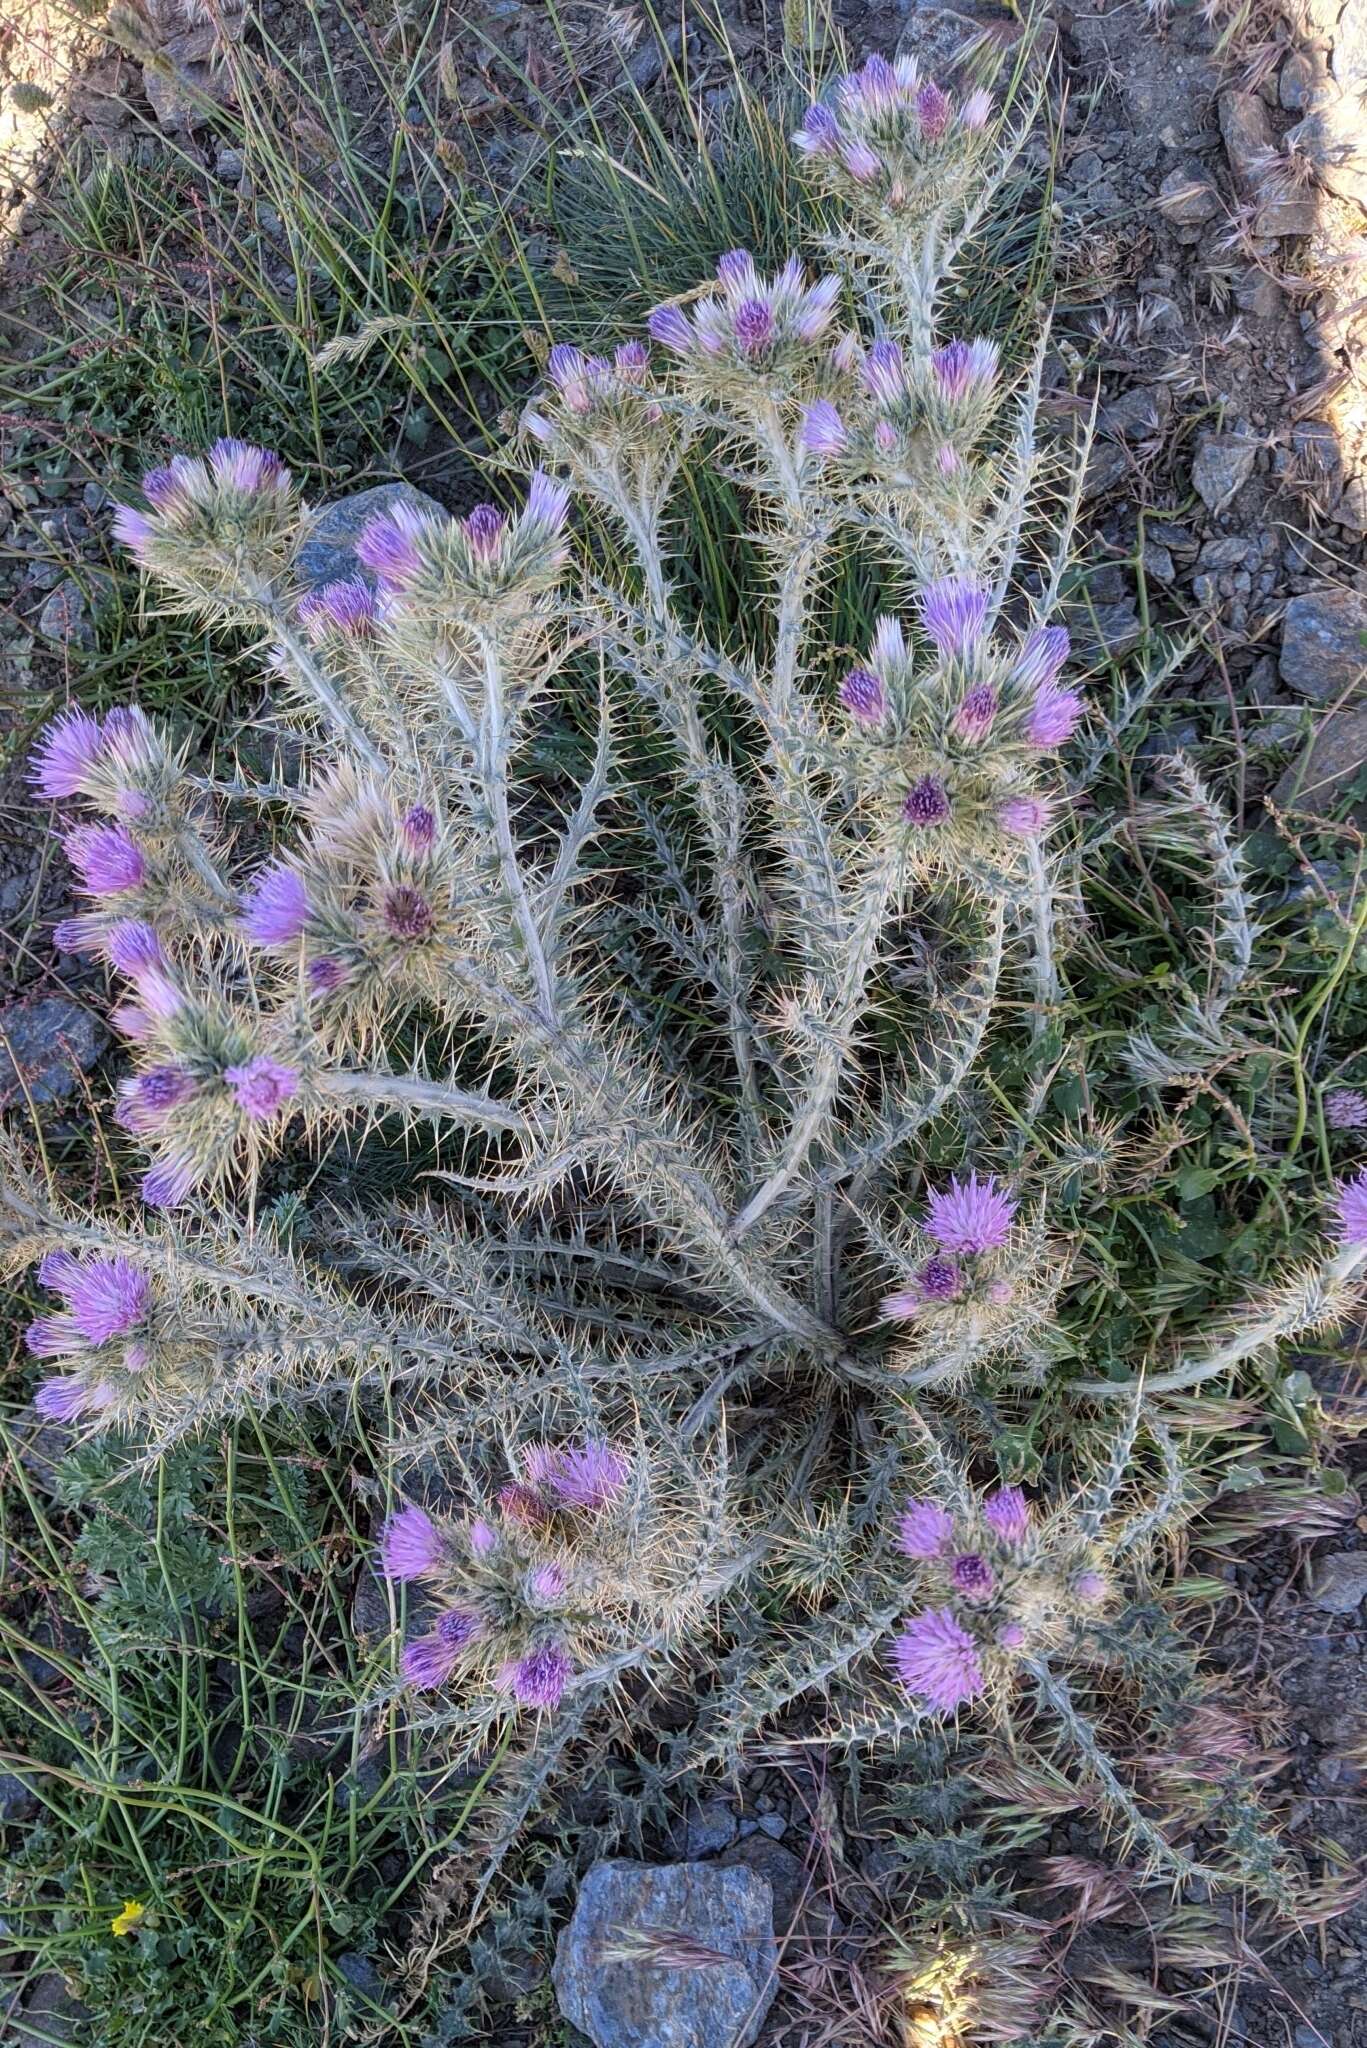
x=708 y=1827
x=1324 y=644
x=1339 y=1582
x=1251 y=148
x=1337 y=757
x=50 y=2016
x=329 y=553
x=1334 y=137
x=1223 y=465
x=70 y=611
x=45 y=1046
x=716 y=1998
x=1187 y=197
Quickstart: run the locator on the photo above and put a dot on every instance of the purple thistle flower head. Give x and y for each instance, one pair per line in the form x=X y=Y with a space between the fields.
x=60 y=1400
x=146 y=1102
x=1053 y=716
x=1043 y=653
x=753 y=326
x=133 y=947
x=168 y=1184
x=262 y=1087
x=346 y=606
x=953 y=612
x=426 y=1663
x=77 y=935
x=947 y=460
x=52 y=1337
x=546 y=1584
x=889 y=646
x=1345 y=1109
x=903 y=1306
x=1024 y=817
x=484 y=528
x=976 y=111
x=411 y=1545
x=483 y=1537
x=168 y=484
x=937 y=1661
x=631 y=361
x=131 y=1020
x=457 y=1627
x=861 y=161
x=66 y=752
x=110 y=1297
x=1011 y=1636
x=519 y=1503
x=926 y=802
x=277 y=909
x=864 y=697
x=1007 y=1513
x=325 y=975
x=1350 y=1210
x=885 y=436
x=387 y=545
x=419 y=827
x=539 y=1679
x=932 y=111
x=107 y=860
x=669 y=326
x=407 y=914
x=885 y=373
x=970 y=1215
x=586 y=1476
x=823 y=430
x=876 y=84
x=134 y=530
x=939 y=1280
x=1091 y=1588
x=736 y=272
x=818 y=305
x=819 y=134
x=565 y=368
x=925 y=1530
x=240 y=466
x=964 y=369
x=60 y=1271
x=972 y=1576
x=548 y=503
x=973 y=719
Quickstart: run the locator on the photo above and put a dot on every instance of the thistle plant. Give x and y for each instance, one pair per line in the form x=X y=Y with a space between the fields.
x=657 y=1200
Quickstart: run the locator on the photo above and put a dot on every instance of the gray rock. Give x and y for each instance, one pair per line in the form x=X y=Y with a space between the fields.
x=1158 y=561
x=799 y=1903
x=1305 y=75
x=45 y=1046
x=707 y=1828
x=18 y=1800
x=50 y=2017
x=1187 y=197
x=1324 y=644
x=68 y=617
x=1223 y=465
x=1351 y=510
x=1339 y=1582
x=716 y=1997
x=329 y=553
x=1337 y=756
x=1251 y=148
x=1334 y=137
x=1257 y=293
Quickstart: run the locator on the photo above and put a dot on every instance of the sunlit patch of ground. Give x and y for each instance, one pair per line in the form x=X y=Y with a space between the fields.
x=42 y=44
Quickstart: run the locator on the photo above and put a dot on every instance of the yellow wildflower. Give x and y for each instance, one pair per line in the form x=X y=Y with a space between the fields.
x=127 y=1920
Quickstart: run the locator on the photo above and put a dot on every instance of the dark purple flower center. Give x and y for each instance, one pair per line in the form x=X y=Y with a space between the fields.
x=926 y=802
x=419 y=827
x=939 y=1279
x=407 y=913
x=457 y=1628
x=973 y=1575
x=753 y=325
x=483 y=530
